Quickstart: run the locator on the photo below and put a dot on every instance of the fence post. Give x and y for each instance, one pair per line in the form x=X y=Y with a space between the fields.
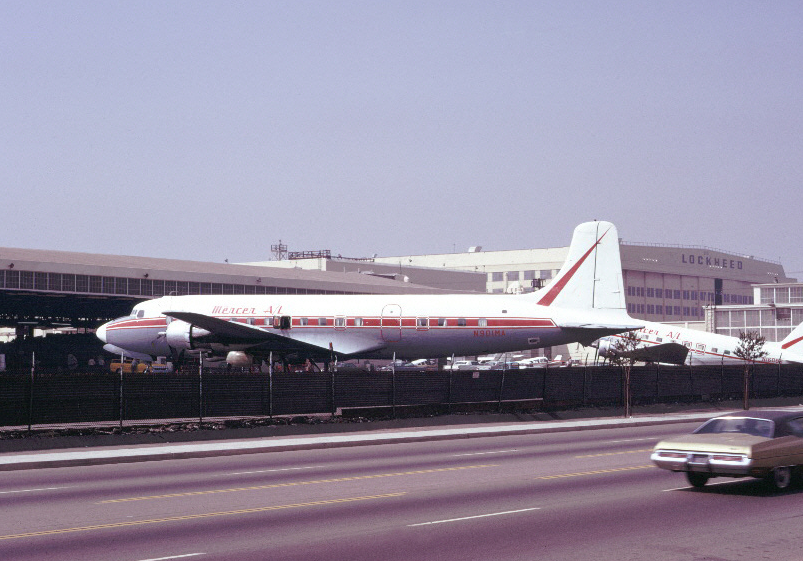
x=501 y=388
x=30 y=398
x=270 y=386
x=583 y=387
x=393 y=384
x=449 y=397
x=201 y=389
x=122 y=363
x=334 y=406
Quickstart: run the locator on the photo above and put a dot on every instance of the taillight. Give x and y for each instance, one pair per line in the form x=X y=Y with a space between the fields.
x=727 y=458
x=663 y=454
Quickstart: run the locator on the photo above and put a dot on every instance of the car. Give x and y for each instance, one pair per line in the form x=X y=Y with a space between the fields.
x=534 y=362
x=762 y=444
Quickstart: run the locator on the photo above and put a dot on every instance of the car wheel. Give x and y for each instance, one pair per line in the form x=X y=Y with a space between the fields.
x=780 y=477
x=697 y=479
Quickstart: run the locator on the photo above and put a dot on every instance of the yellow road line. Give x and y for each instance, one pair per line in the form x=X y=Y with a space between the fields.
x=615 y=453
x=194 y=516
x=294 y=484
x=595 y=472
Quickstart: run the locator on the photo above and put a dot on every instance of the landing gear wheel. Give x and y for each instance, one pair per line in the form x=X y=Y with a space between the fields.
x=697 y=479
x=780 y=478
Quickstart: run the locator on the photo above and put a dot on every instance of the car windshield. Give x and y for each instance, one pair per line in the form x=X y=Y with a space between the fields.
x=755 y=427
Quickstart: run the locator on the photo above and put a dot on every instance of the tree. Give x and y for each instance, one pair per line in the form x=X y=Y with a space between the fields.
x=749 y=349
x=623 y=355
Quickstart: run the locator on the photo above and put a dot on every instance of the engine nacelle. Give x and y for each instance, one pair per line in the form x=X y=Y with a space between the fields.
x=182 y=336
x=239 y=358
x=605 y=347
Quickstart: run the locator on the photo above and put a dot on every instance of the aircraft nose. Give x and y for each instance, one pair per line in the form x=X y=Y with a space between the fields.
x=101 y=332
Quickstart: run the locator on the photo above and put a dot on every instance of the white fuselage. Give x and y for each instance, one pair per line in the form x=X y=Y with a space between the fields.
x=381 y=326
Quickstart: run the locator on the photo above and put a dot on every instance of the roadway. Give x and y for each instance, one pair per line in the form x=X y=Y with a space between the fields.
x=566 y=495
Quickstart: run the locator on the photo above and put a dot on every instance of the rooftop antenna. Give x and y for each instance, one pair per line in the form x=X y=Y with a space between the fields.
x=279 y=251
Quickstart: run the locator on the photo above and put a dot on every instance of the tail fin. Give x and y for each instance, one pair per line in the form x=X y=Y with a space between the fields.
x=591 y=277
x=794 y=341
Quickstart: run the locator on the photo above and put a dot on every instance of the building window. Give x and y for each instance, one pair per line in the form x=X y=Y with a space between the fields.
x=512 y=275
x=677 y=295
x=529 y=275
x=650 y=292
x=497 y=277
x=659 y=309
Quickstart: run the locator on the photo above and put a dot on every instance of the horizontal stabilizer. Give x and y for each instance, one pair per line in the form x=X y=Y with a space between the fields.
x=670 y=353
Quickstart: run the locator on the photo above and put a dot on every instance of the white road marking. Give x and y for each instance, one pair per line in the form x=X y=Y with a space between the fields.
x=174 y=557
x=472 y=517
x=32 y=490
x=271 y=470
x=654 y=438
x=485 y=453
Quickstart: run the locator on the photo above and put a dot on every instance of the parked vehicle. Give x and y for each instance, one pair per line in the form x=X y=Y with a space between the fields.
x=534 y=362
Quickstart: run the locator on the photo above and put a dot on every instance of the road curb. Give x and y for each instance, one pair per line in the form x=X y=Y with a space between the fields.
x=158 y=452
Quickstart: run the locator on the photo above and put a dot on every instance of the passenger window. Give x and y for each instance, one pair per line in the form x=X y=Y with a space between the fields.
x=303 y=321
x=461 y=321
x=358 y=322
x=796 y=427
x=441 y=322
x=483 y=322
x=322 y=321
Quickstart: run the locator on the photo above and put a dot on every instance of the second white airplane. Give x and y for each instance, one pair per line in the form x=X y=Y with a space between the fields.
x=658 y=342
x=583 y=302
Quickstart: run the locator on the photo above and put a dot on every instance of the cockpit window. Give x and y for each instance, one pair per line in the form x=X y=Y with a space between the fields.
x=141 y=314
x=755 y=427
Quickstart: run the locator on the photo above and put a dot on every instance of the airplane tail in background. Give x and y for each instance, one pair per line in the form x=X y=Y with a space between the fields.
x=591 y=277
x=794 y=341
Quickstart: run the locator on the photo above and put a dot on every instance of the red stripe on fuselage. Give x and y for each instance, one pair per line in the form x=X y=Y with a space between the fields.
x=559 y=286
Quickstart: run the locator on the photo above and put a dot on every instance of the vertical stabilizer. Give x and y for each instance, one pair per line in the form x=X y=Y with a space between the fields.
x=591 y=277
x=794 y=341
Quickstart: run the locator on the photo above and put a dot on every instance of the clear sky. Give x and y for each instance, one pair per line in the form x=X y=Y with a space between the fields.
x=210 y=130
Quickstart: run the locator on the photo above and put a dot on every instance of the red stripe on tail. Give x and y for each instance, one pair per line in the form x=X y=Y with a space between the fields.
x=550 y=296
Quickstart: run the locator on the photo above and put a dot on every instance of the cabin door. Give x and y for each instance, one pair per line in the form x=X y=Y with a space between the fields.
x=390 y=323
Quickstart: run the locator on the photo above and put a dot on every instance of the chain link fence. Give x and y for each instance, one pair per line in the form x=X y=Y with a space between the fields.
x=49 y=397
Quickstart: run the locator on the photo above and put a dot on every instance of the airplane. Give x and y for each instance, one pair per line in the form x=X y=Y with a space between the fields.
x=583 y=302
x=658 y=342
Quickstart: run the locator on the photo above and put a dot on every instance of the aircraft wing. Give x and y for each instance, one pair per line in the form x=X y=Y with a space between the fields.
x=274 y=340
x=671 y=353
